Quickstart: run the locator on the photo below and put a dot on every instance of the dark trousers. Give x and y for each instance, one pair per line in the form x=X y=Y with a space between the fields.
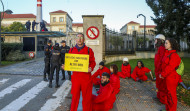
x=47 y=68
x=53 y=68
x=69 y=73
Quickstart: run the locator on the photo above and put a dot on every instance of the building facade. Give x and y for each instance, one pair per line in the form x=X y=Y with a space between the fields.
x=134 y=26
x=77 y=27
x=60 y=21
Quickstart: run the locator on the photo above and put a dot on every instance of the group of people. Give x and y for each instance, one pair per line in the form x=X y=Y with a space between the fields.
x=34 y=23
x=54 y=58
x=166 y=62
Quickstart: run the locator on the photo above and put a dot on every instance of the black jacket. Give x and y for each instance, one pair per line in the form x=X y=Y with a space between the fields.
x=56 y=56
x=47 y=51
x=63 y=51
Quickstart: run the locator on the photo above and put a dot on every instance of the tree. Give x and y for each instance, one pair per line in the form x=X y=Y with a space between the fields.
x=4 y=29
x=16 y=27
x=116 y=41
x=140 y=41
x=171 y=17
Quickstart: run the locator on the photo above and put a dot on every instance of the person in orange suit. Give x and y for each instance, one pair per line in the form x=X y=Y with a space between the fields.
x=81 y=81
x=139 y=72
x=106 y=96
x=160 y=51
x=125 y=69
x=114 y=79
x=170 y=62
x=102 y=69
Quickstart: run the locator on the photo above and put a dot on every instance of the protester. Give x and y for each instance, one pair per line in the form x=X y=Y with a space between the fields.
x=106 y=96
x=125 y=69
x=139 y=72
x=170 y=62
x=160 y=51
x=114 y=79
x=99 y=72
x=80 y=80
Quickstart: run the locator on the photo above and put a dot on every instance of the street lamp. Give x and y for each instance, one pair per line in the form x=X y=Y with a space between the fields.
x=1 y=18
x=144 y=27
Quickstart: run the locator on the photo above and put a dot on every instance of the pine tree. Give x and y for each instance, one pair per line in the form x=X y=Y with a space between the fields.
x=172 y=18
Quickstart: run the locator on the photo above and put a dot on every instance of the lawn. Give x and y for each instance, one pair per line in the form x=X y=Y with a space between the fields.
x=6 y=63
x=183 y=95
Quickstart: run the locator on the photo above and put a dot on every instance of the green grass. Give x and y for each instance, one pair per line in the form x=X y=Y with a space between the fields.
x=183 y=95
x=6 y=63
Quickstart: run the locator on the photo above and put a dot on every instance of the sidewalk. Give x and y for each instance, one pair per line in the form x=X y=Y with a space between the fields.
x=135 y=96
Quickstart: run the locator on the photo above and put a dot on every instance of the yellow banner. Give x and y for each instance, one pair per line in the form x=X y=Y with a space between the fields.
x=76 y=62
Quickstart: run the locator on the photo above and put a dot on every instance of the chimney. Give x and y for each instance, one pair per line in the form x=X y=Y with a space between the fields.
x=39 y=14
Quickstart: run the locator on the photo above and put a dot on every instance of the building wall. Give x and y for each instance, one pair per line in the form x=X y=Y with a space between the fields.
x=8 y=22
x=77 y=29
x=62 y=26
x=132 y=27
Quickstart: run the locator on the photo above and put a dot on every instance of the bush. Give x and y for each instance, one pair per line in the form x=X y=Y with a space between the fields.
x=15 y=56
x=8 y=47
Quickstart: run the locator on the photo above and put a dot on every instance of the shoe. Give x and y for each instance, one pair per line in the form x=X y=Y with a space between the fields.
x=50 y=85
x=57 y=86
x=45 y=79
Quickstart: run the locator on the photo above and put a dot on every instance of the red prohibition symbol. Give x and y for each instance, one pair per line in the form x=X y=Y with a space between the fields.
x=92 y=32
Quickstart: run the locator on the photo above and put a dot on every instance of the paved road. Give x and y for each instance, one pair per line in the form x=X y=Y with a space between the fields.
x=30 y=93
x=22 y=89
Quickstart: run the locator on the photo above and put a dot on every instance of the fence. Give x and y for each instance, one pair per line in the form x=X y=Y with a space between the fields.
x=118 y=43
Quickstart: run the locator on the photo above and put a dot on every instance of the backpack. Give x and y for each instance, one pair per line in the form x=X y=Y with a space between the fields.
x=180 y=68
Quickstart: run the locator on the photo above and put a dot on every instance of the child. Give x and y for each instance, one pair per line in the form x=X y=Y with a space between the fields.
x=139 y=72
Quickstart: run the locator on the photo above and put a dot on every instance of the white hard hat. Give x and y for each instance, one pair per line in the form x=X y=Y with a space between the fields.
x=125 y=59
x=160 y=36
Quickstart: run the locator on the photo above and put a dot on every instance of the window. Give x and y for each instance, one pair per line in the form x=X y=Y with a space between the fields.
x=54 y=19
x=133 y=27
x=61 y=30
x=61 y=19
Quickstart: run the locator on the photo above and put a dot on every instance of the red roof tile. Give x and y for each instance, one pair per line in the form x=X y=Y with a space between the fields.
x=148 y=26
x=78 y=24
x=59 y=11
x=132 y=22
x=18 y=15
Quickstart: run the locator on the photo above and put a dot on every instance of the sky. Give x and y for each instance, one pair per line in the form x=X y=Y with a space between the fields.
x=116 y=12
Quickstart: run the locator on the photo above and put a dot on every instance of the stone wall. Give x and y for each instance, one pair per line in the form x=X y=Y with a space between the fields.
x=137 y=55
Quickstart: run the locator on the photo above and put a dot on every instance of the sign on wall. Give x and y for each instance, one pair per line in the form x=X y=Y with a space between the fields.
x=92 y=32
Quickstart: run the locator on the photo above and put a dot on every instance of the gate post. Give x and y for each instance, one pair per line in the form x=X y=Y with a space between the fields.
x=94 y=37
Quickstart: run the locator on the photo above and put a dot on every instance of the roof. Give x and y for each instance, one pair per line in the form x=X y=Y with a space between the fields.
x=58 y=11
x=61 y=11
x=38 y=34
x=6 y=16
x=78 y=24
x=132 y=22
x=148 y=26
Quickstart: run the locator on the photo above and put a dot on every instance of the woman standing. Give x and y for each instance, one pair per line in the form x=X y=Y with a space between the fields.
x=170 y=63
x=160 y=50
